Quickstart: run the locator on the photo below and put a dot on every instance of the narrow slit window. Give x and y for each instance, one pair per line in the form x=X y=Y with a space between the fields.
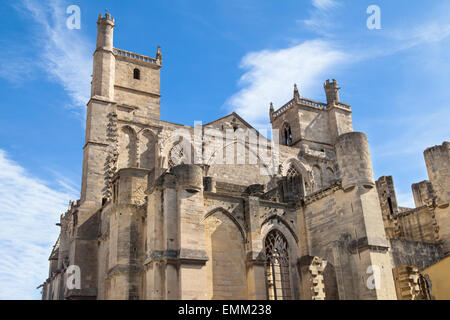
x=391 y=208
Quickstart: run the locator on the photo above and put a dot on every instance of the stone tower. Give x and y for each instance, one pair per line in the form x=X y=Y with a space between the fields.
x=123 y=81
x=99 y=107
x=305 y=123
x=437 y=160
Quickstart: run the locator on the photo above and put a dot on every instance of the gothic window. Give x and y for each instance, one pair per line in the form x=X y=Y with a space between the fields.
x=176 y=155
x=277 y=267
x=287 y=135
x=295 y=180
x=137 y=74
x=292 y=172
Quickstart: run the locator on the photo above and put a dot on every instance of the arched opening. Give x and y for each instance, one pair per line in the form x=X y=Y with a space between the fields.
x=226 y=267
x=127 y=148
x=278 y=281
x=148 y=150
x=295 y=183
x=287 y=135
x=137 y=74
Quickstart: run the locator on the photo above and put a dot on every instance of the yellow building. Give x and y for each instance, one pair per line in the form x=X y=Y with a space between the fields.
x=437 y=277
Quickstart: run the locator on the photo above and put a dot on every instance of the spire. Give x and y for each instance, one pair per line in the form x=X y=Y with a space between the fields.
x=159 y=56
x=296 y=93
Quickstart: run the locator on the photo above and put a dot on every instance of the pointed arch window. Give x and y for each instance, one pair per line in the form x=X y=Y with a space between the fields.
x=287 y=135
x=292 y=172
x=278 y=281
x=296 y=183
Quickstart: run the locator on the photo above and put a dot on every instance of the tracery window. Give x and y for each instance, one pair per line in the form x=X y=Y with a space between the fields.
x=295 y=180
x=277 y=267
x=292 y=173
x=176 y=155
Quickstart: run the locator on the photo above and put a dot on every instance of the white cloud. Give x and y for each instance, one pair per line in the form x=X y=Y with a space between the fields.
x=325 y=4
x=271 y=74
x=66 y=55
x=320 y=20
x=29 y=209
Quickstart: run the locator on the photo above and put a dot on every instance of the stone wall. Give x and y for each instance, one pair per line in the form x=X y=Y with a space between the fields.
x=415 y=253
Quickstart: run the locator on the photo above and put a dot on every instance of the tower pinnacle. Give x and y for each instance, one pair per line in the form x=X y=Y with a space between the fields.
x=296 y=93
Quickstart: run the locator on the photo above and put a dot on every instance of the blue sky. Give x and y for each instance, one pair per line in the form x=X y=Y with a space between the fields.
x=218 y=57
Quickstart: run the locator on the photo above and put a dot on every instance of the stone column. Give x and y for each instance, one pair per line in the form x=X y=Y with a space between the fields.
x=256 y=275
x=192 y=246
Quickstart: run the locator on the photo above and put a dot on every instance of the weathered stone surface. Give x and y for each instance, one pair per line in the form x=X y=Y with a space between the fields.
x=170 y=211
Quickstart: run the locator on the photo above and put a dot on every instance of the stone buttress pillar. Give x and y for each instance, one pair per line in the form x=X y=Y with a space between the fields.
x=255 y=252
x=367 y=247
x=176 y=263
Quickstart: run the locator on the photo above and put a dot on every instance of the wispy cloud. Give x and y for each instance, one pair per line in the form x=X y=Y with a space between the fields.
x=64 y=54
x=325 y=4
x=16 y=70
x=29 y=209
x=271 y=74
x=320 y=19
x=419 y=131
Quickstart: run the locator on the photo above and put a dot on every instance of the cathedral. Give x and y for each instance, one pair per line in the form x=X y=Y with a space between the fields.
x=219 y=211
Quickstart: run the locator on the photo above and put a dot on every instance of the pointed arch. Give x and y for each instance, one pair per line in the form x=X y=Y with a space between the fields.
x=231 y=217
x=287 y=138
x=126 y=148
x=283 y=222
x=148 y=151
x=277 y=266
x=225 y=246
x=301 y=167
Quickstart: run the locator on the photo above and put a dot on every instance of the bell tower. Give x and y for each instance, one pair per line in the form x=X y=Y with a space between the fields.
x=98 y=108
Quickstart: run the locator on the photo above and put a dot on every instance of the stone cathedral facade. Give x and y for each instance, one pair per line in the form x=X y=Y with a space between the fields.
x=162 y=217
